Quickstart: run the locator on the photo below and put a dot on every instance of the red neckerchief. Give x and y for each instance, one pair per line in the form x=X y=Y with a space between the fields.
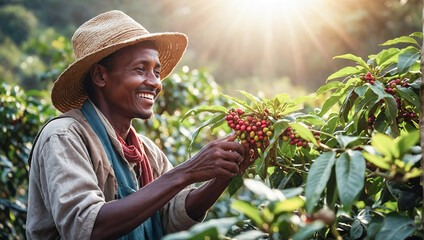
x=134 y=153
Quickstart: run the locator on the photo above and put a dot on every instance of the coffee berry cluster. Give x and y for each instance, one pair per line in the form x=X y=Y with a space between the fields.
x=391 y=87
x=368 y=78
x=253 y=128
x=295 y=139
x=371 y=121
x=404 y=114
x=407 y=116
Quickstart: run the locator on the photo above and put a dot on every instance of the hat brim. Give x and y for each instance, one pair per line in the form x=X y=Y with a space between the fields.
x=69 y=90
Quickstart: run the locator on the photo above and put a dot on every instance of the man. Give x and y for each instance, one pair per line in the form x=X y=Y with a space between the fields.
x=91 y=175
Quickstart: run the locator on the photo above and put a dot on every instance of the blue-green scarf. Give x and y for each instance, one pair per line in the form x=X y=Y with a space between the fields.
x=151 y=229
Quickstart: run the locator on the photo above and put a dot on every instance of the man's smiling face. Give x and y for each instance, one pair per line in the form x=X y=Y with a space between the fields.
x=132 y=81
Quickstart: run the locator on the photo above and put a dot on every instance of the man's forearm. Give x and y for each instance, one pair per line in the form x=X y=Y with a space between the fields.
x=201 y=199
x=120 y=217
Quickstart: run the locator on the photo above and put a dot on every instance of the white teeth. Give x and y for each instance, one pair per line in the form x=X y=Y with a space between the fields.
x=146 y=95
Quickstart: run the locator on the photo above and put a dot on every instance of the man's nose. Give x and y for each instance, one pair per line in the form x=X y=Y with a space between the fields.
x=153 y=80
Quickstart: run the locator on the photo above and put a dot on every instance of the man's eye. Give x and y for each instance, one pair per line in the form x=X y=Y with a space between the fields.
x=141 y=70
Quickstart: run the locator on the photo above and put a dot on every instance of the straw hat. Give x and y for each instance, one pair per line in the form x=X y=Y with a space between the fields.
x=100 y=37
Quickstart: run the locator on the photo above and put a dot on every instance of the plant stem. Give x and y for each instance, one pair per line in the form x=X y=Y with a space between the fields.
x=337 y=150
x=326 y=134
x=288 y=167
x=335 y=233
x=302 y=159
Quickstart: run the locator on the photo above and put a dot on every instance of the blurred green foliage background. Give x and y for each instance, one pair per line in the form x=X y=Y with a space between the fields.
x=245 y=44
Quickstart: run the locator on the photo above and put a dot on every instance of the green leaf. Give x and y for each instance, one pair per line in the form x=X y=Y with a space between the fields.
x=317 y=178
x=332 y=194
x=417 y=34
x=376 y=160
x=407 y=59
x=212 y=229
x=378 y=89
x=391 y=109
x=391 y=105
x=345 y=140
x=348 y=104
x=329 y=86
x=361 y=90
x=251 y=235
x=347 y=71
x=415 y=68
x=292 y=192
x=262 y=190
x=304 y=132
x=406 y=141
x=211 y=233
x=403 y=39
x=369 y=99
x=211 y=109
x=409 y=95
x=238 y=101
x=306 y=231
x=387 y=57
x=261 y=166
x=303 y=99
x=212 y=120
x=235 y=183
x=331 y=125
x=354 y=58
x=283 y=97
x=335 y=97
x=217 y=124
x=381 y=123
x=279 y=127
x=287 y=150
x=252 y=98
x=350 y=175
x=396 y=227
x=289 y=110
x=249 y=210
x=362 y=122
x=311 y=119
x=356 y=230
x=385 y=145
x=288 y=205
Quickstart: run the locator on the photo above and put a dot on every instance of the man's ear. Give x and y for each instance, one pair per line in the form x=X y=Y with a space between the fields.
x=96 y=72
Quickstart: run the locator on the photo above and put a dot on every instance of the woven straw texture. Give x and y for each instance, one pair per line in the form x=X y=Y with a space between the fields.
x=100 y=37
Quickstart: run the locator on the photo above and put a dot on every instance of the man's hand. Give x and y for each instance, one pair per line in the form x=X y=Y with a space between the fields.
x=251 y=154
x=220 y=158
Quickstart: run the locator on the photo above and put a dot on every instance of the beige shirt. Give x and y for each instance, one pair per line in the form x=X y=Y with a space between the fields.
x=71 y=178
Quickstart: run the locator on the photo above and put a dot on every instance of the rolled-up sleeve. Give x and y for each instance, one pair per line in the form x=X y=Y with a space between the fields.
x=176 y=217
x=174 y=214
x=68 y=185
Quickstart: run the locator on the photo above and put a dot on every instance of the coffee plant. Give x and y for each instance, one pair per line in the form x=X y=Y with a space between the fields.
x=349 y=170
x=22 y=114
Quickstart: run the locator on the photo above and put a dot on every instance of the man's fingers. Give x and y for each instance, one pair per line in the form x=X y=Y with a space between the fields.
x=233 y=146
x=230 y=138
x=232 y=156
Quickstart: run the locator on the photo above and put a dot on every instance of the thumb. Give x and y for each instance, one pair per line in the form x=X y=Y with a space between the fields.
x=230 y=138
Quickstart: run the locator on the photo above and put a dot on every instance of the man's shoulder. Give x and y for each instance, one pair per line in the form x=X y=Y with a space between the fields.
x=70 y=121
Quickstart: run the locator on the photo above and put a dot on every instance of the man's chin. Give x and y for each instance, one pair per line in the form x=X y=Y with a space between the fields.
x=145 y=116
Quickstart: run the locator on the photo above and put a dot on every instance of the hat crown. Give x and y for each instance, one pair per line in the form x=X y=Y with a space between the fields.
x=104 y=30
